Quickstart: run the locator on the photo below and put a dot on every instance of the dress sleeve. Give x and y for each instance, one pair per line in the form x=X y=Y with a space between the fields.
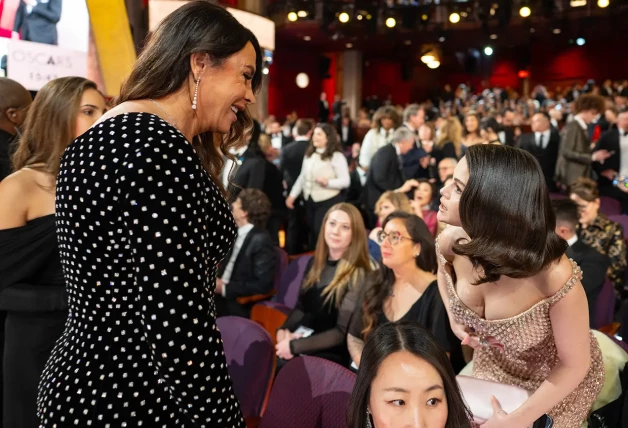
x=341 y=168
x=162 y=197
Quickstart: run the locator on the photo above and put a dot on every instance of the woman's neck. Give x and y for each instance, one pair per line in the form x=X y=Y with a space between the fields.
x=411 y=274
x=335 y=254
x=178 y=109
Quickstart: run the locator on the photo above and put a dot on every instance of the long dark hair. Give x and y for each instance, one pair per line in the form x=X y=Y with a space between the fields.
x=380 y=282
x=507 y=186
x=333 y=142
x=164 y=67
x=409 y=337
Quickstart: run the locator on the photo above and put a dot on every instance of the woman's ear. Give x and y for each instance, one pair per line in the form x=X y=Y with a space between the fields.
x=417 y=250
x=198 y=62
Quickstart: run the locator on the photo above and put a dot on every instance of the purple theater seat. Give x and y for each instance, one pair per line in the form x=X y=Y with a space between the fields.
x=609 y=206
x=605 y=306
x=309 y=392
x=290 y=285
x=557 y=196
x=623 y=221
x=250 y=359
x=282 y=264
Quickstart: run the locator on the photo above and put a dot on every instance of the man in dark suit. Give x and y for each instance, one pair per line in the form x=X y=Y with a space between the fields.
x=614 y=141
x=36 y=20
x=544 y=143
x=593 y=264
x=14 y=102
x=413 y=118
x=346 y=132
x=290 y=163
x=247 y=275
x=386 y=171
x=323 y=109
x=277 y=137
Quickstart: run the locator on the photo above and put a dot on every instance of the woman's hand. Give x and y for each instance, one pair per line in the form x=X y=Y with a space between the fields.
x=321 y=181
x=500 y=418
x=374 y=233
x=470 y=338
x=282 y=333
x=290 y=202
x=283 y=349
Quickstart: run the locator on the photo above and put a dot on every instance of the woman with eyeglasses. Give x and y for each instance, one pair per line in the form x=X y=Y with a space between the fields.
x=404 y=288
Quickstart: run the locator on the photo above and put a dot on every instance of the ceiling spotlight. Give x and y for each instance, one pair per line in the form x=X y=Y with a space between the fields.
x=391 y=22
x=407 y=42
x=442 y=39
x=343 y=17
x=349 y=45
x=603 y=3
x=369 y=16
x=454 y=18
x=302 y=14
x=488 y=51
x=525 y=11
x=493 y=36
x=307 y=38
x=359 y=17
x=292 y=16
x=556 y=30
x=578 y=3
x=427 y=58
x=425 y=17
x=434 y=64
x=265 y=70
x=580 y=41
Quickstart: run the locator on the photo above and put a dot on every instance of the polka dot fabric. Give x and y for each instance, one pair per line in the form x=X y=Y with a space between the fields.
x=141 y=228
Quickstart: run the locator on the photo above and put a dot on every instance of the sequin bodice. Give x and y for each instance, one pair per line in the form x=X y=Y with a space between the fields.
x=529 y=350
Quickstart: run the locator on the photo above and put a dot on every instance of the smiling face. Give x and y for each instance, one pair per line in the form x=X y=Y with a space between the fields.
x=319 y=138
x=338 y=231
x=407 y=392
x=449 y=209
x=423 y=194
x=224 y=89
x=385 y=209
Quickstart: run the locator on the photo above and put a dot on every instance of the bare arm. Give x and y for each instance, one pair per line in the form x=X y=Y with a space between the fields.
x=355 y=346
x=13 y=209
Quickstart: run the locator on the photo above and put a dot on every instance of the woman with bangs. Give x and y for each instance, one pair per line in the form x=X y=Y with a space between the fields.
x=318 y=325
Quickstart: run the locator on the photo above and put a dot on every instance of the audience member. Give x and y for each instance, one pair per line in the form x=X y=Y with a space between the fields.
x=32 y=286
x=277 y=137
x=247 y=276
x=446 y=168
x=422 y=202
x=346 y=132
x=543 y=143
x=598 y=232
x=472 y=129
x=405 y=380
x=318 y=326
x=615 y=142
x=324 y=175
x=489 y=131
x=450 y=139
x=413 y=119
x=593 y=264
x=404 y=288
x=14 y=105
x=385 y=121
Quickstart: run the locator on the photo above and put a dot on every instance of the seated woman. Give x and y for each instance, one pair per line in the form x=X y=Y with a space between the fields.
x=422 y=201
x=598 y=232
x=387 y=203
x=405 y=380
x=404 y=288
x=329 y=290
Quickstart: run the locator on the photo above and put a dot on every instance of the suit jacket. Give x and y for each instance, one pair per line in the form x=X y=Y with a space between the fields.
x=323 y=111
x=594 y=266
x=292 y=160
x=509 y=132
x=385 y=173
x=253 y=271
x=256 y=172
x=284 y=140
x=348 y=142
x=547 y=157
x=608 y=141
x=574 y=158
x=354 y=193
x=41 y=24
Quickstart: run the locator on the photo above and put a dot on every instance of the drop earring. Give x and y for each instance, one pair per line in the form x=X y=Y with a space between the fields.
x=368 y=419
x=195 y=99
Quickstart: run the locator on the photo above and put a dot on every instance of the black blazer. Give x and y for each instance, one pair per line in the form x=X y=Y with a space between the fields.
x=256 y=172
x=594 y=266
x=253 y=272
x=608 y=141
x=41 y=24
x=385 y=173
x=348 y=142
x=292 y=160
x=547 y=157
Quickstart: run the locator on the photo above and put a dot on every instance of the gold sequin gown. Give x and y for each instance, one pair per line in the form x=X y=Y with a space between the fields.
x=529 y=353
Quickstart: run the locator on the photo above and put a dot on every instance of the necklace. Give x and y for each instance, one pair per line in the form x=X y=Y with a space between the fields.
x=170 y=119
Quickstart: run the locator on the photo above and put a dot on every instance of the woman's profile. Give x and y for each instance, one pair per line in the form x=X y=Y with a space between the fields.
x=142 y=224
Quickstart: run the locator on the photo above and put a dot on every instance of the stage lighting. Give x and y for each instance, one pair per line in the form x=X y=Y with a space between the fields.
x=580 y=41
x=454 y=18
x=265 y=70
x=427 y=58
x=391 y=22
x=434 y=64
x=493 y=36
x=603 y=3
x=556 y=30
x=525 y=11
x=349 y=45
x=292 y=16
x=359 y=17
x=307 y=38
x=488 y=51
x=302 y=14
x=578 y=3
x=343 y=17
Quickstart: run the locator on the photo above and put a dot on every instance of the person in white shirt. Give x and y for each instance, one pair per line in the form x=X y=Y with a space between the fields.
x=385 y=121
x=324 y=176
x=614 y=141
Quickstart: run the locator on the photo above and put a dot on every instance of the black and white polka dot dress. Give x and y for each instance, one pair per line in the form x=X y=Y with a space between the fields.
x=141 y=228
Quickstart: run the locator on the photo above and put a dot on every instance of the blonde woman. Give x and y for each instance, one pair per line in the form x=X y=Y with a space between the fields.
x=450 y=139
x=385 y=121
x=329 y=290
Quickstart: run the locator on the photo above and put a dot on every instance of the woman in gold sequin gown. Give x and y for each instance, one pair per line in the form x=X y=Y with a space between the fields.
x=511 y=293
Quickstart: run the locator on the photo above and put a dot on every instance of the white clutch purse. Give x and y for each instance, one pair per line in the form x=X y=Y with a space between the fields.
x=477 y=394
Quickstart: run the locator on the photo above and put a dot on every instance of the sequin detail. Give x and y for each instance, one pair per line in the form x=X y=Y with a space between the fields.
x=530 y=352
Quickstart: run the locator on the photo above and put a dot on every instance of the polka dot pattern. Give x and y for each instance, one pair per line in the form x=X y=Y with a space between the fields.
x=141 y=228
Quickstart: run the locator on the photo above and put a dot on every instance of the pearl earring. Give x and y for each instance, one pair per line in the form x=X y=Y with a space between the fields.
x=195 y=99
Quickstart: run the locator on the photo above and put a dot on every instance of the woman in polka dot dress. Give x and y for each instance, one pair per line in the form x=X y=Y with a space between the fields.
x=142 y=223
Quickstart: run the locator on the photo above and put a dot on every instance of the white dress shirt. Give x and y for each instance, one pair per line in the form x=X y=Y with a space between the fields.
x=572 y=240
x=345 y=133
x=361 y=174
x=623 y=150
x=581 y=122
x=546 y=137
x=243 y=231
x=226 y=169
x=276 y=140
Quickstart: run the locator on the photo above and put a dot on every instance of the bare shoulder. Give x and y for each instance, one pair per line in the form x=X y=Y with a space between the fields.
x=448 y=237
x=15 y=191
x=556 y=276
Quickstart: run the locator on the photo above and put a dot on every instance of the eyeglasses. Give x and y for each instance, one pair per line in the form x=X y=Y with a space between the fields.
x=393 y=237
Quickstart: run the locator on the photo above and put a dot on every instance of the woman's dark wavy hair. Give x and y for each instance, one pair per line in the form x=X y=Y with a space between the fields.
x=333 y=142
x=506 y=211
x=380 y=282
x=409 y=337
x=164 y=67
